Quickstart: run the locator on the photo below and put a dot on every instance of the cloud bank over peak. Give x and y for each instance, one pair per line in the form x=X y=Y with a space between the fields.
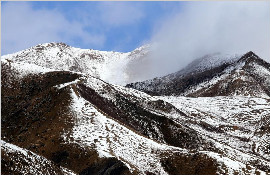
x=209 y=27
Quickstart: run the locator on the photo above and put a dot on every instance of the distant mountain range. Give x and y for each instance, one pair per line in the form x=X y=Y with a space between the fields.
x=62 y=113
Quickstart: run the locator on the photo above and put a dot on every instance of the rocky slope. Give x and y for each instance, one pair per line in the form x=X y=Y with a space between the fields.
x=72 y=122
x=16 y=160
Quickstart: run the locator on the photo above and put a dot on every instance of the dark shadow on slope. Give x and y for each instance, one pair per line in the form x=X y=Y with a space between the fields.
x=110 y=166
x=134 y=116
x=176 y=85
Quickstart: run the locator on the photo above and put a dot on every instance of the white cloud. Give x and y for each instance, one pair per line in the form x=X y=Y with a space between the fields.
x=120 y=13
x=23 y=27
x=208 y=27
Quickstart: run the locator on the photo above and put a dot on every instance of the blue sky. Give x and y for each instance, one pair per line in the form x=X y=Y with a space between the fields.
x=118 y=26
x=178 y=31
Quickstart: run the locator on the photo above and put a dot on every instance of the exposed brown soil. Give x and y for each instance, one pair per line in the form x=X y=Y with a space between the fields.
x=197 y=164
x=15 y=163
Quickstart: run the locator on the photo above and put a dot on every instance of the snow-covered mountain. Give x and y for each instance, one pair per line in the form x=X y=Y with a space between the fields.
x=107 y=65
x=73 y=121
x=246 y=75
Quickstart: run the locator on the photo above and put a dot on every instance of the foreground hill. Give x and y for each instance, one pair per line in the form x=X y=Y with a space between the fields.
x=74 y=123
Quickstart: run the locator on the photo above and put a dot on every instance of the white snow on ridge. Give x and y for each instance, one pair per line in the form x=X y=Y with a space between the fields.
x=110 y=91
x=25 y=69
x=12 y=148
x=232 y=74
x=231 y=123
x=263 y=72
x=223 y=107
x=210 y=61
x=216 y=79
x=60 y=86
x=96 y=130
x=233 y=166
x=238 y=111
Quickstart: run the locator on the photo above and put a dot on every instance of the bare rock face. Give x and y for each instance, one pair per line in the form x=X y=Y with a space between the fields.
x=64 y=122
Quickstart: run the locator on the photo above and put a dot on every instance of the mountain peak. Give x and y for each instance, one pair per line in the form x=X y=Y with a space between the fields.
x=51 y=45
x=249 y=56
x=214 y=75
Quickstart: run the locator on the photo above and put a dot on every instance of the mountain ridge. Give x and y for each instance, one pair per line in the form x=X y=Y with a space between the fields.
x=107 y=65
x=185 y=84
x=83 y=124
